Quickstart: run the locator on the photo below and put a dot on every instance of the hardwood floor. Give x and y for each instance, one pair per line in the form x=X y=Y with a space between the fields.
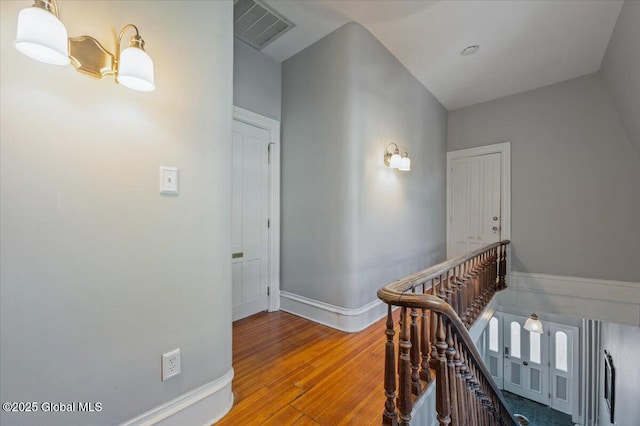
x=291 y=371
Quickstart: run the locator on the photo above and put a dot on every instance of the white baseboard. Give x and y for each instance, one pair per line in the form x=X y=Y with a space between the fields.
x=344 y=319
x=202 y=406
x=615 y=301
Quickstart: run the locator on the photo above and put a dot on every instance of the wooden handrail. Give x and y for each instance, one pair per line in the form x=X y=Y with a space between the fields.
x=414 y=280
x=462 y=285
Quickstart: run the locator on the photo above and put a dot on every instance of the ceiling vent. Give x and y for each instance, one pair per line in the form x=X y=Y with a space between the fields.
x=257 y=24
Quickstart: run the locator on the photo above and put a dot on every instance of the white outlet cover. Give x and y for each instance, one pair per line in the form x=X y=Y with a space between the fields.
x=168 y=180
x=170 y=364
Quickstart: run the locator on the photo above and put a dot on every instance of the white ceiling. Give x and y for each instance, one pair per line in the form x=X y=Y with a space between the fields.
x=524 y=44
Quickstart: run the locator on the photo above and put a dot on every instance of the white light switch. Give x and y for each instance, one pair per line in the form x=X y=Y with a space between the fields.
x=168 y=180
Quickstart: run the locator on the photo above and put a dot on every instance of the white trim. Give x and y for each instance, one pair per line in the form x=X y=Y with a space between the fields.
x=504 y=149
x=273 y=127
x=344 y=319
x=616 y=301
x=424 y=410
x=202 y=406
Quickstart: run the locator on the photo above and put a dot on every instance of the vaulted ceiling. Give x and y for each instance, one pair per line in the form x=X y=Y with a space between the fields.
x=524 y=44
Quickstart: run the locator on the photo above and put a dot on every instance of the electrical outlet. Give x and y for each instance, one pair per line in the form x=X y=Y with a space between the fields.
x=170 y=364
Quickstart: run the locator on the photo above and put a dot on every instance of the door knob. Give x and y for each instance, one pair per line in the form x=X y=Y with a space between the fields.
x=495 y=229
x=495 y=218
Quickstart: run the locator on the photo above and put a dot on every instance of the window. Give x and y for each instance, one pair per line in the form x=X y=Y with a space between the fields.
x=534 y=347
x=562 y=351
x=493 y=334
x=515 y=339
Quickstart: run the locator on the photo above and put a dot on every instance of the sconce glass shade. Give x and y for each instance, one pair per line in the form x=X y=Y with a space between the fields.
x=136 y=70
x=405 y=164
x=533 y=324
x=394 y=161
x=42 y=36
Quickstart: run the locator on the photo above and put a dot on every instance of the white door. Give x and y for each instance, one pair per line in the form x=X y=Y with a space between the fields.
x=493 y=350
x=249 y=219
x=562 y=365
x=526 y=365
x=475 y=203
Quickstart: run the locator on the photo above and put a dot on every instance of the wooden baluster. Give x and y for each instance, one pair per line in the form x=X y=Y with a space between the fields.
x=485 y=280
x=448 y=290
x=441 y=290
x=460 y=385
x=400 y=323
x=443 y=406
x=479 y=273
x=475 y=290
x=465 y=291
x=455 y=290
x=389 y=417
x=460 y=286
x=434 y=329
x=416 y=386
x=451 y=375
x=503 y=267
x=481 y=282
x=494 y=264
x=495 y=407
x=470 y=403
x=455 y=296
x=404 y=392
x=425 y=346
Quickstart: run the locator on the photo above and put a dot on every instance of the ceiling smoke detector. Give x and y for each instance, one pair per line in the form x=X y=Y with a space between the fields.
x=470 y=50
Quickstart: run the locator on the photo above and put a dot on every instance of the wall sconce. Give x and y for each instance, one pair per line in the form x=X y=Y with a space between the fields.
x=393 y=159
x=533 y=324
x=43 y=37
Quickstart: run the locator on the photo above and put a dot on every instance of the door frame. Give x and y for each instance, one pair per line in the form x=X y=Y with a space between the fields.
x=273 y=127
x=504 y=149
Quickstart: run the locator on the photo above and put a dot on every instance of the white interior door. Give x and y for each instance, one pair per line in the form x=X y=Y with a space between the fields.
x=493 y=350
x=562 y=366
x=526 y=364
x=475 y=202
x=249 y=219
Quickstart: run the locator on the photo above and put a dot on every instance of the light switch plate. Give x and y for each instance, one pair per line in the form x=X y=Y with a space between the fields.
x=168 y=180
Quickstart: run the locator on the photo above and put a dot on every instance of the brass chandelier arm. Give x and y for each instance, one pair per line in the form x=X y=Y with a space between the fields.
x=137 y=37
x=136 y=41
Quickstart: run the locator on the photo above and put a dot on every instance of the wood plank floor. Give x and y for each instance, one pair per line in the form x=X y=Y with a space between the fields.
x=291 y=371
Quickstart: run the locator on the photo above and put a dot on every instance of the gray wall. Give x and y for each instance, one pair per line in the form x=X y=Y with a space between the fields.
x=100 y=274
x=623 y=342
x=621 y=68
x=575 y=178
x=256 y=81
x=350 y=224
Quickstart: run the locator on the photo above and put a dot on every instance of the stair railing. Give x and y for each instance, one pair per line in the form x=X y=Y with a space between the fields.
x=437 y=306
